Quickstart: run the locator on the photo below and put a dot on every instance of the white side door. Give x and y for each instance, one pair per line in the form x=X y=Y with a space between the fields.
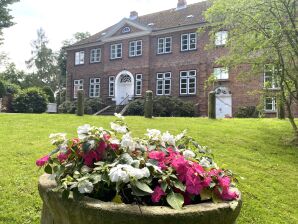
x=223 y=106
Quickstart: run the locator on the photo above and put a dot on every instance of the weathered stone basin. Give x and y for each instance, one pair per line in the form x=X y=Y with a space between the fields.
x=93 y=211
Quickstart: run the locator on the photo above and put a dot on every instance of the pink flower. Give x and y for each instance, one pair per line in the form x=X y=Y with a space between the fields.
x=62 y=157
x=206 y=182
x=224 y=182
x=181 y=166
x=157 y=155
x=42 y=161
x=91 y=157
x=229 y=195
x=193 y=182
x=157 y=194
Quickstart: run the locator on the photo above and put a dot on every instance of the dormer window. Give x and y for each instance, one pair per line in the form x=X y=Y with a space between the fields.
x=126 y=29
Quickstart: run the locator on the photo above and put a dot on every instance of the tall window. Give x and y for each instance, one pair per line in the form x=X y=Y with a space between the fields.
x=164 y=45
x=270 y=77
x=270 y=104
x=188 y=41
x=188 y=82
x=79 y=57
x=77 y=85
x=163 y=83
x=116 y=51
x=95 y=55
x=111 y=85
x=138 y=84
x=221 y=73
x=94 y=88
x=221 y=38
x=135 y=48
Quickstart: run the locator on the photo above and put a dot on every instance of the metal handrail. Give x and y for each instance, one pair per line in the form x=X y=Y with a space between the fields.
x=121 y=103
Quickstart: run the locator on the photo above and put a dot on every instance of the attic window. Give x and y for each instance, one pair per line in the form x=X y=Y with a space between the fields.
x=150 y=24
x=126 y=29
x=189 y=16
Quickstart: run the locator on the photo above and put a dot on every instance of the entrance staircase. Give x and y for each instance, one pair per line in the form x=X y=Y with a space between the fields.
x=113 y=108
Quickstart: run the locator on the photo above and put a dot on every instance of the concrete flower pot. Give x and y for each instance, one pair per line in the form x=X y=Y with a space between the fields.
x=93 y=211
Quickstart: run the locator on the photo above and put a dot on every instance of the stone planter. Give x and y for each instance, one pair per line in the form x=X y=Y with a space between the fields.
x=93 y=211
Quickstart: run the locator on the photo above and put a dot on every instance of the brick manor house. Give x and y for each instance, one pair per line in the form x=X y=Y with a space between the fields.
x=161 y=52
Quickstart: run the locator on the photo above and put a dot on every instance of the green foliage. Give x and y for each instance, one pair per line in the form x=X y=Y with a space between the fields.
x=281 y=113
x=2 y=89
x=50 y=94
x=31 y=100
x=80 y=103
x=12 y=74
x=247 y=112
x=61 y=96
x=11 y=88
x=148 y=107
x=212 y=105
x=93 y=105
x=136 y=108
x=176 y=200
x=67 y=107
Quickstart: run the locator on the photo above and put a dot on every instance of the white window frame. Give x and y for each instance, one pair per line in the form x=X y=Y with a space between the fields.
x=78 y=84
x=94 y=87
x=273 y=103
x=221 y=38
x=189 y=42
x=79 y=57
x=114 y=48
x=162 y=45
x=126 y=29
x=111 y=85
x=272 y=78
x=190 y=79
x=133 y=48
x=95 y=55
x=139 y=83
x=165 y=79
x=221 y=73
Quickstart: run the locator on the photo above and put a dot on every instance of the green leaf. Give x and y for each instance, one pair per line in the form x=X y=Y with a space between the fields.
x=65 y=194
x=143 y=187
x=178 y=184
x=175 y=200
x=205 y=194
x=164 y=186
x=48 y=169
x=138 y=192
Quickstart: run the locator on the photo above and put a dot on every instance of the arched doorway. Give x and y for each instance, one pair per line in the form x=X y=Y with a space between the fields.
x=124 y=87
x=223 y=102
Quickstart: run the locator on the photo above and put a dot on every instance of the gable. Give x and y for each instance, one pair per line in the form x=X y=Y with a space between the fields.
x=126 y=29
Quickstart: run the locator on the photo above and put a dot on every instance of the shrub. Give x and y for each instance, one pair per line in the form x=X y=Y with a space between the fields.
x=31 y=100
x=67 y=107
x=49 y=93
x=136 y=108
x=93 y=105
x=2 y=89
x=247 y=112
x=12 y=88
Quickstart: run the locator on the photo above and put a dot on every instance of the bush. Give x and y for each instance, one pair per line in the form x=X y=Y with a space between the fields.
x=2 y=89
x=247 y=112
x=163 y=106
x=93 y=105
x=31 y=100
x=67 y=107
x=49 y=93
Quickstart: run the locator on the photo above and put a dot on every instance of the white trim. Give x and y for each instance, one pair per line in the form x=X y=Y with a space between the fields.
x=138 y=81
x=188 y=41
x=96 y=81
x=117 y=83
x=219 y=71
x=111 y=82
x=135 y=45
x=79 y=57
x=92 y=54
x=163 y=39
x=221 y=38
x=273 y=102
x=163 y=80
x=116 y=49
x=188 y=77
x=79 y=83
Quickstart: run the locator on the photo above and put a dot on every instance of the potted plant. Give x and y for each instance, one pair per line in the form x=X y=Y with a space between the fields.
x=107 y=176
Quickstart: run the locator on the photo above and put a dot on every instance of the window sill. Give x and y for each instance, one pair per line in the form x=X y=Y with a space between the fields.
x=270 y=111
x=115 y=59
x=187 y=95
x=272 y=89
x=79 y=64
x=184 y=51
x=222 y=80
x=96 y=62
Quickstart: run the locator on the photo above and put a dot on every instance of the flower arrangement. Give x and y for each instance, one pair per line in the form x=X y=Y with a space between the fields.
x=159 y=169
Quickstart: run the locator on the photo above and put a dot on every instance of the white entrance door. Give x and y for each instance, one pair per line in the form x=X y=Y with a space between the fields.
x=223 y=106
x=124 y=87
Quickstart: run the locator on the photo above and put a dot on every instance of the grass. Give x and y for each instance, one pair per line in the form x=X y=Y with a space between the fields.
x=253 y=148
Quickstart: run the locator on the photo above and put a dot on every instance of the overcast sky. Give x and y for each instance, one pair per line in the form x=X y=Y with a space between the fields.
x=62 y=18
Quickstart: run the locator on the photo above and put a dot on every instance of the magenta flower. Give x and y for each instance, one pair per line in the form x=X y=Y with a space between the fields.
x=181 y=166
x=157 y=194
x=229 y=195
x=224 y=182
x=157 y=155
x=193 y=183
x=42 y=161
x=62 y=157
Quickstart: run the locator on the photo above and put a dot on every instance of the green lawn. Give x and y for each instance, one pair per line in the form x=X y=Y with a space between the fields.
x=253 y=148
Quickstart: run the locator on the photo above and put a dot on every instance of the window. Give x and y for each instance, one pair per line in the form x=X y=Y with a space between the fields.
x=135 y=48
x=116 y=51
x=221 y=73
x=188 y=41
x=95 y=55
x=79 y=57
x=138 y=84
x=188 y=82
x=126 y=29
x=77 y=85
x=111 y=85
x=94 y=88
x=270 y=104
x=164 y=45
x=221 y=38
x=270 y=77
x=163 y=83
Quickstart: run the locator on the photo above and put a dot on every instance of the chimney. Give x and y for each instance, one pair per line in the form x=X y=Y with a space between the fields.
x=181 y=4
x=133 y=15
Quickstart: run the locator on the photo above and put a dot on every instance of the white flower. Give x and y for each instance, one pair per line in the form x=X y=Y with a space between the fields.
x=139 y=173
x=168 y=138
x=127 y=142
x=118 y=128
x=119 y=116
x=123 y=172
x=92 y=144
x=153 y=134
x=57 y=138
x=85 y=186
x=189 y=154
x=83 y=131
x=180 y=136
x=205 y=162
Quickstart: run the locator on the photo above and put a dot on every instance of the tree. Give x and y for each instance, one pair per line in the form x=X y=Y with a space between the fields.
x=5 y=17
x=261 y=32
x=12 y=74
x=44 y=62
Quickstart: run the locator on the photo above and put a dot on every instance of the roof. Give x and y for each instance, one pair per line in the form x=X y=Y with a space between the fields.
x=171 y=18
